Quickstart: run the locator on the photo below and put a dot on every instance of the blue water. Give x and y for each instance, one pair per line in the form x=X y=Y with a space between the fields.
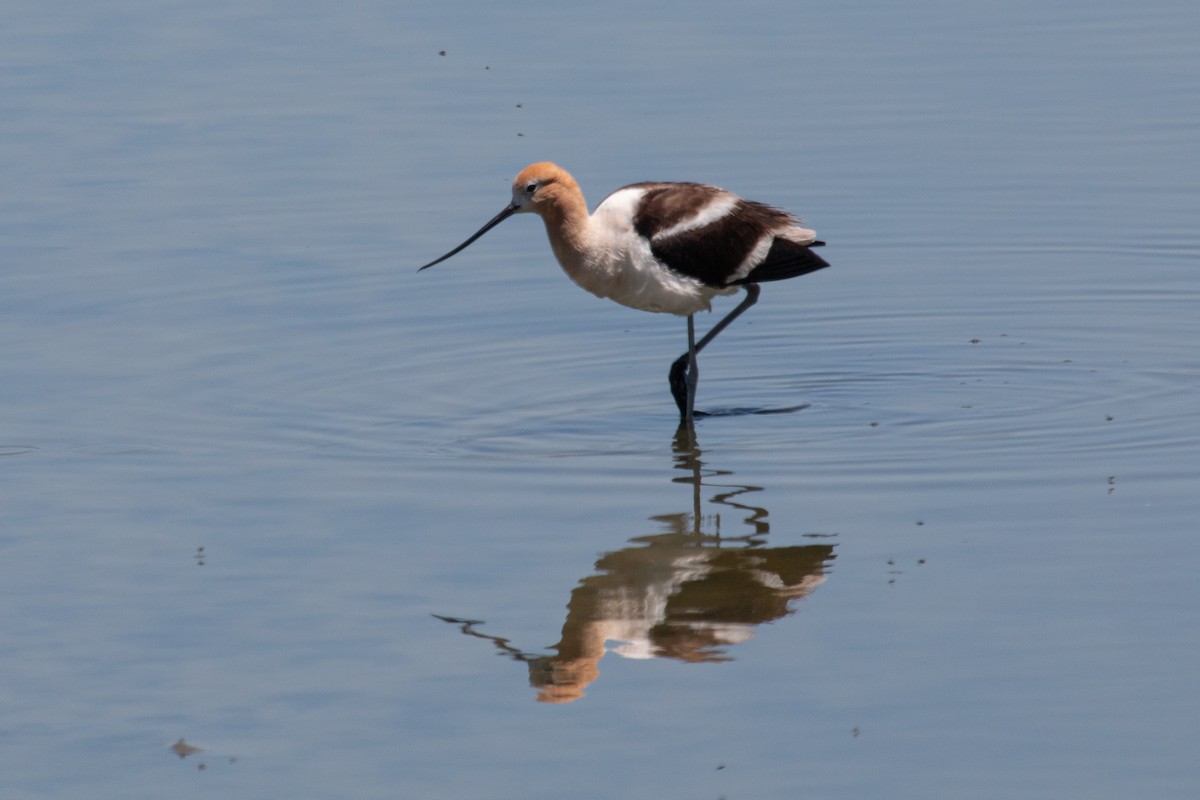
x=342 y=526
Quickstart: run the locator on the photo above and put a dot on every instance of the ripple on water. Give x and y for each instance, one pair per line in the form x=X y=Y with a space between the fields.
x=17 y=449
x=1009 y=387
x=944 y=379
x=116 y=449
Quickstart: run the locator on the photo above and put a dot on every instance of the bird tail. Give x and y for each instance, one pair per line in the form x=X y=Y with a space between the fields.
x=785 y=259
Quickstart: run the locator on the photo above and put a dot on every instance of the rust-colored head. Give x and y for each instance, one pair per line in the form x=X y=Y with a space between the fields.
x=542 y=187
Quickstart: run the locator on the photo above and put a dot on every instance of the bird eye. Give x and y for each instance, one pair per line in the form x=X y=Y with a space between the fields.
x=530 y=188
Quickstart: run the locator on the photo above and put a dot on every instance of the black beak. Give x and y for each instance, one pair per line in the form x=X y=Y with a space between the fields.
x=508 y=211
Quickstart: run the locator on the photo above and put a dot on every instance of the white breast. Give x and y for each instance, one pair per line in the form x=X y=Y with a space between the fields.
x=618 y=264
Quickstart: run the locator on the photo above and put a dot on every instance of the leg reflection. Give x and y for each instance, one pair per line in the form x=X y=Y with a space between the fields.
x=687 y=592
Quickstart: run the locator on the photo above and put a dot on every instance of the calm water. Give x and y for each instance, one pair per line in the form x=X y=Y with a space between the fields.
x=356 y=532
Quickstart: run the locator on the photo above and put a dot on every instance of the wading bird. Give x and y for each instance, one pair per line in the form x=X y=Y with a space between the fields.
x=665 y=247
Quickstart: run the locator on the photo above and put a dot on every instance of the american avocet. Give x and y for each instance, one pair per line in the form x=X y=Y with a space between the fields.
x=666 y=247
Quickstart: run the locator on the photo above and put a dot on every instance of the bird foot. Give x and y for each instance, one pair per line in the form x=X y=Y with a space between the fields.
x=678 y=380
x=683 y=386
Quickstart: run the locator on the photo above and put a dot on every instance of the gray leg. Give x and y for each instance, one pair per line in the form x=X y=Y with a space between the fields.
x=752 y=292
x=693 y=373
x=683 y=377
x=685 y=372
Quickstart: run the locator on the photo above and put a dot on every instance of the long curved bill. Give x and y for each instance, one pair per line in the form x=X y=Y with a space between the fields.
x=508 y=211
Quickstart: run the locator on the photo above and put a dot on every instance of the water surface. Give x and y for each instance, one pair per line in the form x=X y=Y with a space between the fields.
x=343 y=526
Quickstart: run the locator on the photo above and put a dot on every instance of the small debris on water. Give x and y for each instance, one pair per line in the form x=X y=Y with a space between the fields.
x=183 y=749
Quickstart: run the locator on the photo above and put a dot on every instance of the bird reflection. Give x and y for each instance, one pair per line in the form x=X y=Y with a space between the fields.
x=689 y=592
